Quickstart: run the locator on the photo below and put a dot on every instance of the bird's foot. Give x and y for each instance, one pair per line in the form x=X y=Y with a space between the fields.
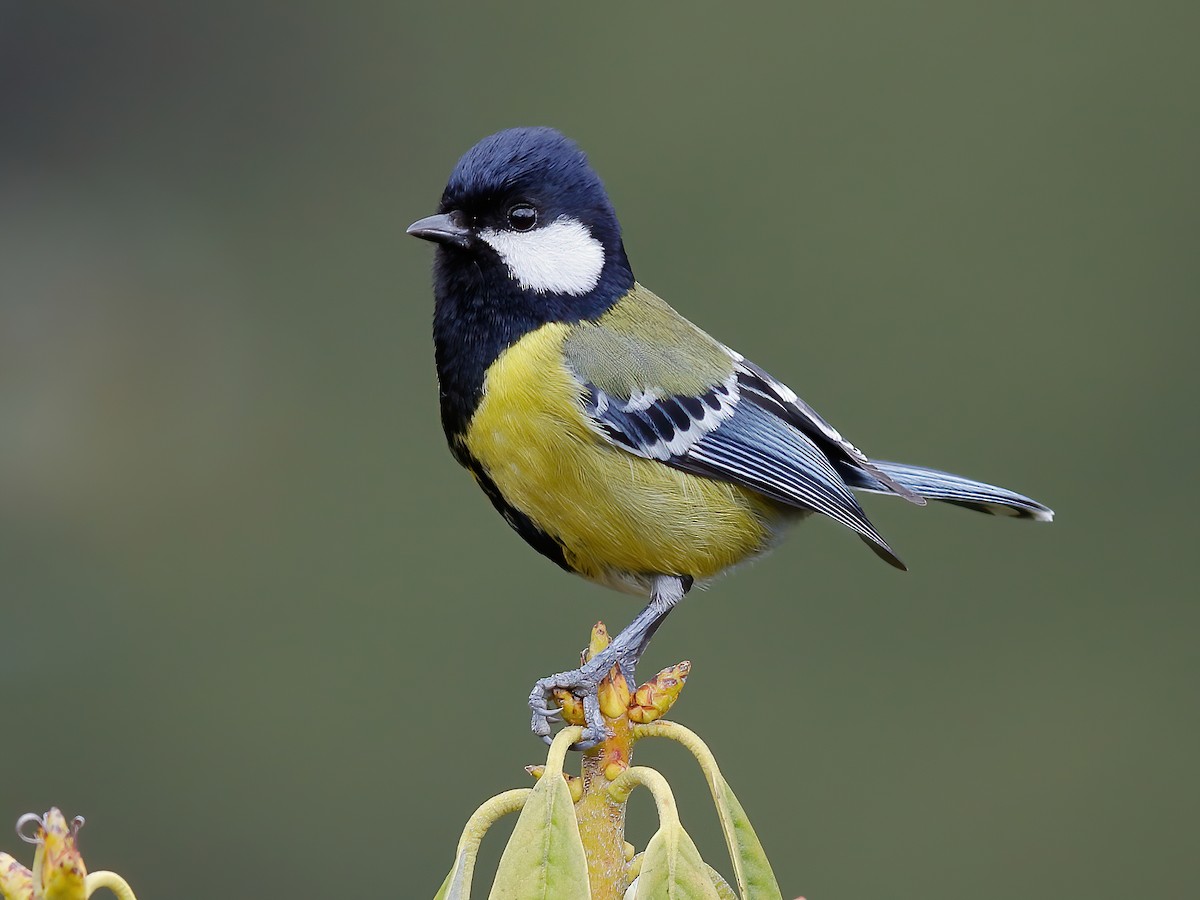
x=584 y=683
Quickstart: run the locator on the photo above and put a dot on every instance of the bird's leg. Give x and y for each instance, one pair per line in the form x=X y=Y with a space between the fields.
x=626 y=649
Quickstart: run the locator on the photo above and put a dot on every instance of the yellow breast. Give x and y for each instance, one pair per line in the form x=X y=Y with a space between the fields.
x=615 y=514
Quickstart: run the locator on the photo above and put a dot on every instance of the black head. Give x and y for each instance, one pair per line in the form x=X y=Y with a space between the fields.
x=526 y=235
x=525 y=207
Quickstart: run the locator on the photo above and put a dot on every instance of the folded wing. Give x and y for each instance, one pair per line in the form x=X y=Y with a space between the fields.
x=725 y=433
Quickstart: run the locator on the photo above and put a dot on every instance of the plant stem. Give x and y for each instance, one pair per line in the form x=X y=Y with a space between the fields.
x=602 y=819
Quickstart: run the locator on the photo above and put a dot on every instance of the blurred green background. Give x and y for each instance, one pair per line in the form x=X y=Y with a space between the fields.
x=260 y=629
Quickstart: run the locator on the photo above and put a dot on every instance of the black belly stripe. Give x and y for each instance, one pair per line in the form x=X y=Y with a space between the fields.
x=539 y=540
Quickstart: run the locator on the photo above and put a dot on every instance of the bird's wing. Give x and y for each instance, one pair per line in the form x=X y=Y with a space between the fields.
x=657 y=387
x=776 y=397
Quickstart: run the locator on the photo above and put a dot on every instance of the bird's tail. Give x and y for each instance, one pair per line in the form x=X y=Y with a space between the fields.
x=935 y=485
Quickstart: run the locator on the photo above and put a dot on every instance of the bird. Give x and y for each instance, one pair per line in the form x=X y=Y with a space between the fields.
x=616 y=437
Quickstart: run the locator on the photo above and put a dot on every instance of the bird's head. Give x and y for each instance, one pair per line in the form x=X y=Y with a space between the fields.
x=525 y=221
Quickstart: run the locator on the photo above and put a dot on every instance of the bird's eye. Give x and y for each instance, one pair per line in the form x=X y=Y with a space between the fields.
x=522 y=217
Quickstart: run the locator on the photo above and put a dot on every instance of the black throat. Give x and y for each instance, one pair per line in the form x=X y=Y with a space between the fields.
x=480 y=312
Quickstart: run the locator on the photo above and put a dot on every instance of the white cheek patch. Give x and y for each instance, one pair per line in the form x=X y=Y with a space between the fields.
x=559 y=258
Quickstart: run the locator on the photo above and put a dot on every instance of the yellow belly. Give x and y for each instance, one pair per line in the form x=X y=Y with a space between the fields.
x=616 y=514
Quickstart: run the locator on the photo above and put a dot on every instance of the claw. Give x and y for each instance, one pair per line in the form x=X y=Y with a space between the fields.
x=602 y=654
x=583 y=683
x=545 y=712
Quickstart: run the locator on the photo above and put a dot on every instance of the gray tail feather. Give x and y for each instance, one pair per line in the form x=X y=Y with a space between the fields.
x=935 y=485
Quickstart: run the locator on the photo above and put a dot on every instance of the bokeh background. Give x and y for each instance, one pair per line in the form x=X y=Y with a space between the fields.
x=259 y=628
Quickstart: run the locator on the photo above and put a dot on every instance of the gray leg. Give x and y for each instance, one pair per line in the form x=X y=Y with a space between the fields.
x=626 y=648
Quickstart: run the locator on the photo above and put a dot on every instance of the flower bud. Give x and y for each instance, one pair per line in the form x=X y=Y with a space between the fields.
x=16 y=881
x=599 y=640
x=654 y=698
x=613 y=769
x=613 y=693
x=571 y=706
x=62 y=873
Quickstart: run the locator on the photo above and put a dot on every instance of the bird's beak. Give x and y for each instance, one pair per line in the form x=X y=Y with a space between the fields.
x=444 y=228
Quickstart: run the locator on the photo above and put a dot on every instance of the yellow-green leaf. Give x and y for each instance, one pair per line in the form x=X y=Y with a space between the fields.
x=544 y=859
x=753 y=871
x=457 y=885
x=672 y=868
x=724 y=891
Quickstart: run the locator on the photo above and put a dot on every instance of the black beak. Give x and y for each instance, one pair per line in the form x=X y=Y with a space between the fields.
x=444 y=228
